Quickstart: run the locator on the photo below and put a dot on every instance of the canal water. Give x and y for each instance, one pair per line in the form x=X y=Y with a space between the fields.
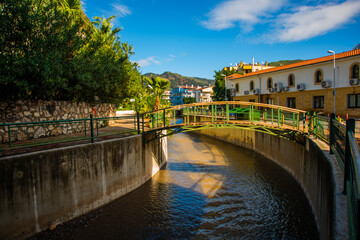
x=208 y=190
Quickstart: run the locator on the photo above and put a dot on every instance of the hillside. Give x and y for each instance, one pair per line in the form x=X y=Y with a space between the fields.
x=177 y=79
x=284 y=62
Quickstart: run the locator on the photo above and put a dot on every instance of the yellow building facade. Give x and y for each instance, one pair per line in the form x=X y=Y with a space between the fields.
x=306 y=85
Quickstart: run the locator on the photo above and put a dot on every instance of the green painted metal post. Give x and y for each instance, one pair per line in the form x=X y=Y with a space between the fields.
x=272 y=116
x=293 y=120
x=164 y=118
x=215 y=112
x=304 y=121
x=9 y=135
x=250 y=112
x=152 y=121
x=278 y=117
x=138 y=122
x=85 y=127
x=92 y=128
x=194 y=114
x=298 y=121
x=143 y=125
x=188 y=118
x=227 y=113
x=350 y=127
x=332 y=133
x=174 y=112
x=212 y=113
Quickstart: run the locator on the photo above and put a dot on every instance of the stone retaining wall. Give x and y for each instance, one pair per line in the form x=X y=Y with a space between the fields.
x=38 y=111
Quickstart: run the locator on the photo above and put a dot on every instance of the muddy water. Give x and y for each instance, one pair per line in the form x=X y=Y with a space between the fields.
x=208 y=190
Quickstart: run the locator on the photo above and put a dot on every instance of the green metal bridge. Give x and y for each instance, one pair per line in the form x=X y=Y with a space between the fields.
x=285 y=122
x=270 y=119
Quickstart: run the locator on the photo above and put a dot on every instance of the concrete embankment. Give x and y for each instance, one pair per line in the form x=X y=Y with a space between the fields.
x=317 y=174
x=39 y=190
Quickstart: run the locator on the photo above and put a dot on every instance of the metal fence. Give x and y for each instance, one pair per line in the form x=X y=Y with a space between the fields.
x=343 y=144
x=24 y=136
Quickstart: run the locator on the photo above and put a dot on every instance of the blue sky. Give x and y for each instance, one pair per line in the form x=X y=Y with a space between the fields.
x=196 y=37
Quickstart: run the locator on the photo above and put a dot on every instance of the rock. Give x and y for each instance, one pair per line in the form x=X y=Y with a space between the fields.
x=40 y=132
x=27 y=113
x=52 y=227
x=21 y=136
x=24 y=108
x=36 y=114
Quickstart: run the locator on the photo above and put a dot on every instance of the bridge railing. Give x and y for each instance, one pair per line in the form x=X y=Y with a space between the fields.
x=233 y=112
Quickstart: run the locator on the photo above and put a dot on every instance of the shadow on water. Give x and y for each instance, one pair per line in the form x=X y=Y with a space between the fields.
x=209 y=190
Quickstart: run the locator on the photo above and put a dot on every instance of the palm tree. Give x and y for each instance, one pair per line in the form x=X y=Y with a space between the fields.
x=158 y=86
x=104 y=29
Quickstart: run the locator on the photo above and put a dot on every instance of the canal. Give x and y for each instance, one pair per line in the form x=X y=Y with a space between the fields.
x=208 y=190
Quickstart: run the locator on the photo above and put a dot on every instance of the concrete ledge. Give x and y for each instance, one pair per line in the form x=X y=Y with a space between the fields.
x=49 y=187
x=311 y=166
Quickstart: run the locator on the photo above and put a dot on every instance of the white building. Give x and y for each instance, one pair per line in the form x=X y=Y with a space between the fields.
x=306 y=85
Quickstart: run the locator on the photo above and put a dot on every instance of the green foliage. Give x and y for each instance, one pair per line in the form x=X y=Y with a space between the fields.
x=219 y=88
x=156 y=87
x=179 y=80
x=49 y=52
x=188 y=100
x=284 y=62
x=357 y=47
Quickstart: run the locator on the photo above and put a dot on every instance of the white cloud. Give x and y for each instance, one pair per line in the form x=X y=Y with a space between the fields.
x=148 y=61
x=307 y=22
x=121 y=10
x=243 y=12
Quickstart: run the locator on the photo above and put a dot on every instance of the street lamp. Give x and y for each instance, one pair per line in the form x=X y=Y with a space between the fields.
x=330 y=51
x=224 y=85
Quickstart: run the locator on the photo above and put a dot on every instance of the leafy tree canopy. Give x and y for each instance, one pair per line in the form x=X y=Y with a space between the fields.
x=188 y=100
x=219 y=88
x=49 y=51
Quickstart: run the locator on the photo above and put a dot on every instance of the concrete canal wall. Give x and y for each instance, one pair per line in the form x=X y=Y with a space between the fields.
x=45 y=188
x=307 y=164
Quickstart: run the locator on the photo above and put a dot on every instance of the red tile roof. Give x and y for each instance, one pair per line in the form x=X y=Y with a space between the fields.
x=299 y=64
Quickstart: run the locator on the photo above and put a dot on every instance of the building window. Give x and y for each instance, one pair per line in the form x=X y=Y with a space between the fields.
x=319 y=76
x=354 y=100
x=269 y=83
x=270 y=101
x=237 y=87
x=354 y=71
x=291 y=80
x=251 y=100
x=251 y=85
x=318 y=101
x=291 y=102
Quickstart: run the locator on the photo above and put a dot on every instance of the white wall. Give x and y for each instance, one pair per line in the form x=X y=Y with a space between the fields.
x=304 y=74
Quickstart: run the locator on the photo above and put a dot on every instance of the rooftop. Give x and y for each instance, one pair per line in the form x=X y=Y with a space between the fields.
x=298 y=64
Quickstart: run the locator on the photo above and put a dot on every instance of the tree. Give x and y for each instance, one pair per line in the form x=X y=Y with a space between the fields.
x=357 y=47
x=158 y=86
x=219 y=88
x=188 y=100
x=47 y=53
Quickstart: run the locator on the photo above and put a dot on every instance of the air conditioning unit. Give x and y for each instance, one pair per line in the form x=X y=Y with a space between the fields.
x=278 y=87
x=326 y=84
x=271 y=89
x=354 y=81
x=285 y=89
x=300 y=87
x=246 y=92
x=256 y=91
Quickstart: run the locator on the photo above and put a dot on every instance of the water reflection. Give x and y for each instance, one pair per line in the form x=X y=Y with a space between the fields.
x=209 y=190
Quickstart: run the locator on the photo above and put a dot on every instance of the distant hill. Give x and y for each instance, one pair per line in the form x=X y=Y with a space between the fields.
x=179 y=80
x=284 y=62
